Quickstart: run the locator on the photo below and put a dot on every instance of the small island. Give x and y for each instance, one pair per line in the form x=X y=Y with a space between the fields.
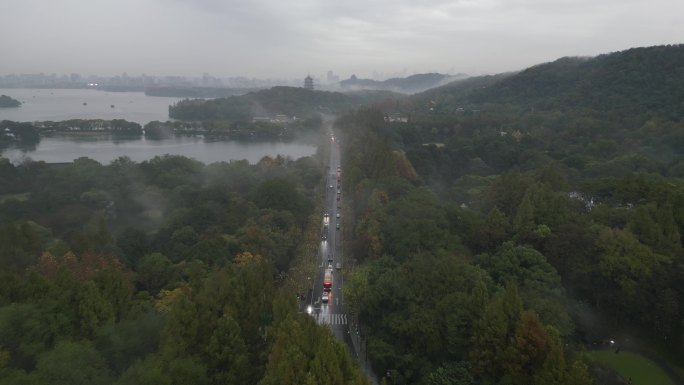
x=6 y=101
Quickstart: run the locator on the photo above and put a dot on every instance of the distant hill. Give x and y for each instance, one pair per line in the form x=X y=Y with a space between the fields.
x=456 y=94
x=636 y=81
x=289 y=101
x=409 y=85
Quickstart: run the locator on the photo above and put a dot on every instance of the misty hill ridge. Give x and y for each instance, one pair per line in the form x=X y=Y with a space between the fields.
x=639 y=80
x=411 y=84
x=291 y=101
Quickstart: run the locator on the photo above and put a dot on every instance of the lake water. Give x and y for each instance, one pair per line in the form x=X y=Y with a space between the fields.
x=47 y=104
x=57 y=104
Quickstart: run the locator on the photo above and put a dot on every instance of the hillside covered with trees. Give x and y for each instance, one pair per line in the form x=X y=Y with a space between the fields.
x=410 y=84
x=640 y=81
x=290 y=101
x=510 y=224
x=500 y=239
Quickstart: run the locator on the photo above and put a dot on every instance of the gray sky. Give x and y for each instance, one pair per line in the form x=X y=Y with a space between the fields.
x=289 y=38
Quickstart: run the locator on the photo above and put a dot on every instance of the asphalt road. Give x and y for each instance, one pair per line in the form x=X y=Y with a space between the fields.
x=333 y=313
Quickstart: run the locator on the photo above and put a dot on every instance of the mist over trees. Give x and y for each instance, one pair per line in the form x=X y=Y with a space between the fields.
x=498 y=228
x=290 y=101
x=521 y=233
x=159 y=272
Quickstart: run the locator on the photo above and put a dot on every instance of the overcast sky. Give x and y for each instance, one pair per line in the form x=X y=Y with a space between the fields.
x=290 y=38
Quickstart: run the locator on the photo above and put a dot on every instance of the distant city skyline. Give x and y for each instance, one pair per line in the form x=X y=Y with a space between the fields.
x=328 y=80
x=327 y=77
x=268 y=39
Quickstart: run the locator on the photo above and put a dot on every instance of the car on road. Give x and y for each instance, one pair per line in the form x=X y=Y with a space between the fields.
x=338 y=266
x=326 y=219
x=337 y=226
x=331 y=186
x=324 y=297
x=338 y=215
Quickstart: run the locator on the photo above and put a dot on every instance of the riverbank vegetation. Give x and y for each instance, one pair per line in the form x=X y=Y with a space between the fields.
x=280 y=129
x=27 y=135
x=288 y=101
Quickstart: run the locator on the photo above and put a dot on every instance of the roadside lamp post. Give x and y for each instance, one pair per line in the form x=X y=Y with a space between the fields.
x=312 y=291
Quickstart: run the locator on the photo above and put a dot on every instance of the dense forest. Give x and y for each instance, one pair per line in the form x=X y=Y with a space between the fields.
x=26 y=135
x=645 y=82
x=291 y=101
x=497 y=244
x=286 y=129
x=458 y=269
x=167 y=271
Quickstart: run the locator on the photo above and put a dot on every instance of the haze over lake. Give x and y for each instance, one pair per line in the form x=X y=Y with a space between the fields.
x=64 y=104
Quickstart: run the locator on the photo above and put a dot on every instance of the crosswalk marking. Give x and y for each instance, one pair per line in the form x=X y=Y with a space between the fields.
x=332 y=319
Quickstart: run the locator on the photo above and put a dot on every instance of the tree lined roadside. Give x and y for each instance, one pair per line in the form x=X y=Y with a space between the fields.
x=167 y=271
x=480 y=288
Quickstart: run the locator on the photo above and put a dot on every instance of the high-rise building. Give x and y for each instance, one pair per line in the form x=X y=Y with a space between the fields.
x=332 y=78
x=308 y=83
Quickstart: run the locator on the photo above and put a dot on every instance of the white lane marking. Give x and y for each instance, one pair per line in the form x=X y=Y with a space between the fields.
x=333 y=319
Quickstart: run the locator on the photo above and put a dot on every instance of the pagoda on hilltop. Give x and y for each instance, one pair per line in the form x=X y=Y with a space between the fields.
x=308 y=83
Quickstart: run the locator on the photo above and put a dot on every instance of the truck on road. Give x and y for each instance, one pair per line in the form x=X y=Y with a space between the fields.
x=327 y=281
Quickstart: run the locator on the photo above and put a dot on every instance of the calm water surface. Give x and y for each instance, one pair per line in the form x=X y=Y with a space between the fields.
x=48 y=104
x=56 y=104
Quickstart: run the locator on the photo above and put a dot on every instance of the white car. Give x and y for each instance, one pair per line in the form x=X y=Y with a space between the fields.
x=324 y=297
